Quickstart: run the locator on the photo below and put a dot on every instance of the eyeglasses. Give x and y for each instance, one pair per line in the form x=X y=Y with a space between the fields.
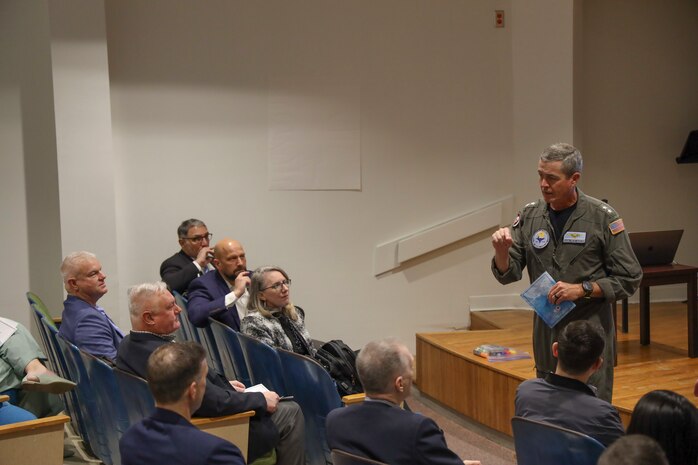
x=195 y=239
x=277 y=286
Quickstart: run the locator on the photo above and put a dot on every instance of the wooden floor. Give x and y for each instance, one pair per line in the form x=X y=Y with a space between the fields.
x=448 y=371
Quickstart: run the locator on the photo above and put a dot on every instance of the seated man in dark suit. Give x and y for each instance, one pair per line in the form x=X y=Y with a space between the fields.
x=154 y=321
x=378 y=428
x=84 y=323
x=564 y=398
x=192 y=260
x=177 y=378
x=221 y=295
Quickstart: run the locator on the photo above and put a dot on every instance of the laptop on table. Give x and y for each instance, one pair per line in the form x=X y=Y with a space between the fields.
x=654 y=248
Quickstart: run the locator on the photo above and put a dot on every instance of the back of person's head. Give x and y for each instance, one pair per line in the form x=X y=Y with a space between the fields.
x=670 y=419
x=379 y=363
x=172 y=368
x=579 y=346
x=634 y=449
x=569 y=155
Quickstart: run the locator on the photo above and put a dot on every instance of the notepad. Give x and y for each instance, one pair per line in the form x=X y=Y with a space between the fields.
x=537 y=297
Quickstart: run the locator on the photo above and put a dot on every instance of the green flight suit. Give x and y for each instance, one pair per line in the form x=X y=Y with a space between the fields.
x=596 y=255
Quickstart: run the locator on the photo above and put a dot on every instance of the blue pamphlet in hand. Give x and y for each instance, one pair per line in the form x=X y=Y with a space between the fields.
x=537 y=297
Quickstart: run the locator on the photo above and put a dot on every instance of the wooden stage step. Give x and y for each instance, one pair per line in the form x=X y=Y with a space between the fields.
x=448 y=371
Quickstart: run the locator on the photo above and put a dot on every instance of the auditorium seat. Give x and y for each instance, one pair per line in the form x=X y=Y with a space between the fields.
x=539 y=443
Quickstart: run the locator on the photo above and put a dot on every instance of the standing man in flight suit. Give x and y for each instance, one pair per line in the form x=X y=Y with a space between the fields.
x=582 y=243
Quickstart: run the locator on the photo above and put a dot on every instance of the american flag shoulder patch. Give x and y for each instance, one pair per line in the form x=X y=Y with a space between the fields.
x=617 y=226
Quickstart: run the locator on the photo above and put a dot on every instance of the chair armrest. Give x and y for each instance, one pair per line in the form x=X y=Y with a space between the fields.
x=233 y=428
x=34 y=442
x=354 y=398
x=4 y=398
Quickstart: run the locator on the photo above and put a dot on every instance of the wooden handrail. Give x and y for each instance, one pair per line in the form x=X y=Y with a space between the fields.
x=354 y=398
x=203 y=421
x=33 y=424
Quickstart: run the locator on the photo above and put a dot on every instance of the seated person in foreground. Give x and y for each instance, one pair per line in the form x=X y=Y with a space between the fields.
x=84 y=323
x=221 y=294
x=177 y=378
x=271 y=316
x=670 y=419
x=378 y=428
x=564 y=398
x=154 y=321
x=634 y=449
x=193 y=258
x=24 y=378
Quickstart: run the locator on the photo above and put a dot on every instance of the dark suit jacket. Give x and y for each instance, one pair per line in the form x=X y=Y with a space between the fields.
x=219 y=398
x=388 y=434
x=206 y=296
x=178 y=271
x=167 y=437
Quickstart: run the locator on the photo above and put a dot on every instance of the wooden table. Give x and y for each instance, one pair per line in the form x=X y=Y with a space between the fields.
x=659 y=276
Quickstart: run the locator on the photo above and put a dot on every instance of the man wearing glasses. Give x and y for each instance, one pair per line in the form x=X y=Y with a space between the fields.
x=193 y=260
x=221 y=295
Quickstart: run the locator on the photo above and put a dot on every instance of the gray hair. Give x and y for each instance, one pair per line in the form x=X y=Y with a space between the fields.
x=138 y=294
x=257 y=283
x=569 y=155
x=379 y=363
x=72 y=262
x=186 y=225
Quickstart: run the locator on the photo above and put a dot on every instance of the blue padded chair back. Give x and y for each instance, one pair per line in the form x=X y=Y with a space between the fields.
x=232 y=358
x=539 y=443
x=213 y=356
x=138 y=399
x=186 y=331
x=70 y=398
x=203 y=336
x=263 y=364
x=109 y=401
x=38 y=316
x=315 y=391
x=90 y=410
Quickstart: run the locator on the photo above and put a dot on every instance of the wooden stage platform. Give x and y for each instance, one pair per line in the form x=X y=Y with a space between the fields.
x=448 y=372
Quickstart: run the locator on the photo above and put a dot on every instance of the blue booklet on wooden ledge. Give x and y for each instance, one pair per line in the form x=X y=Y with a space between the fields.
x=537 y=297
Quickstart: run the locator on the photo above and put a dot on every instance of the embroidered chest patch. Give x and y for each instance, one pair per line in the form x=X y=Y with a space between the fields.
x=573 y=237
x=540 y=239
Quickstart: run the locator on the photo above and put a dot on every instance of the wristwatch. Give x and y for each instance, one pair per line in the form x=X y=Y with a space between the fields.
x=588 y=288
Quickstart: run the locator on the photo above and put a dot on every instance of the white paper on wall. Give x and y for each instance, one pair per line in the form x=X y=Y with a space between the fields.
x=314 y=135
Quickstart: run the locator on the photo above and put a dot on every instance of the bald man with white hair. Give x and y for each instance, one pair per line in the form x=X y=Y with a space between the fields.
x=221 y=295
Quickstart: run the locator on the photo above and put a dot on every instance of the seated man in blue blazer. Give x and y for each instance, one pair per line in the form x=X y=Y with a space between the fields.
x=378 y=428
x=222 y=294
x=192 y=260
x=177 y=379
x=84 y=323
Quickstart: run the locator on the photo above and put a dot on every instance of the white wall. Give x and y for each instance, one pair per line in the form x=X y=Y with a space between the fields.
x=638 y=99
x=189 y=99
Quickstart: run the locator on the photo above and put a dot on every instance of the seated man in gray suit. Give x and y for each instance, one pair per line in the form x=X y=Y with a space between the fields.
x=378 y=428
x=564 y=398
